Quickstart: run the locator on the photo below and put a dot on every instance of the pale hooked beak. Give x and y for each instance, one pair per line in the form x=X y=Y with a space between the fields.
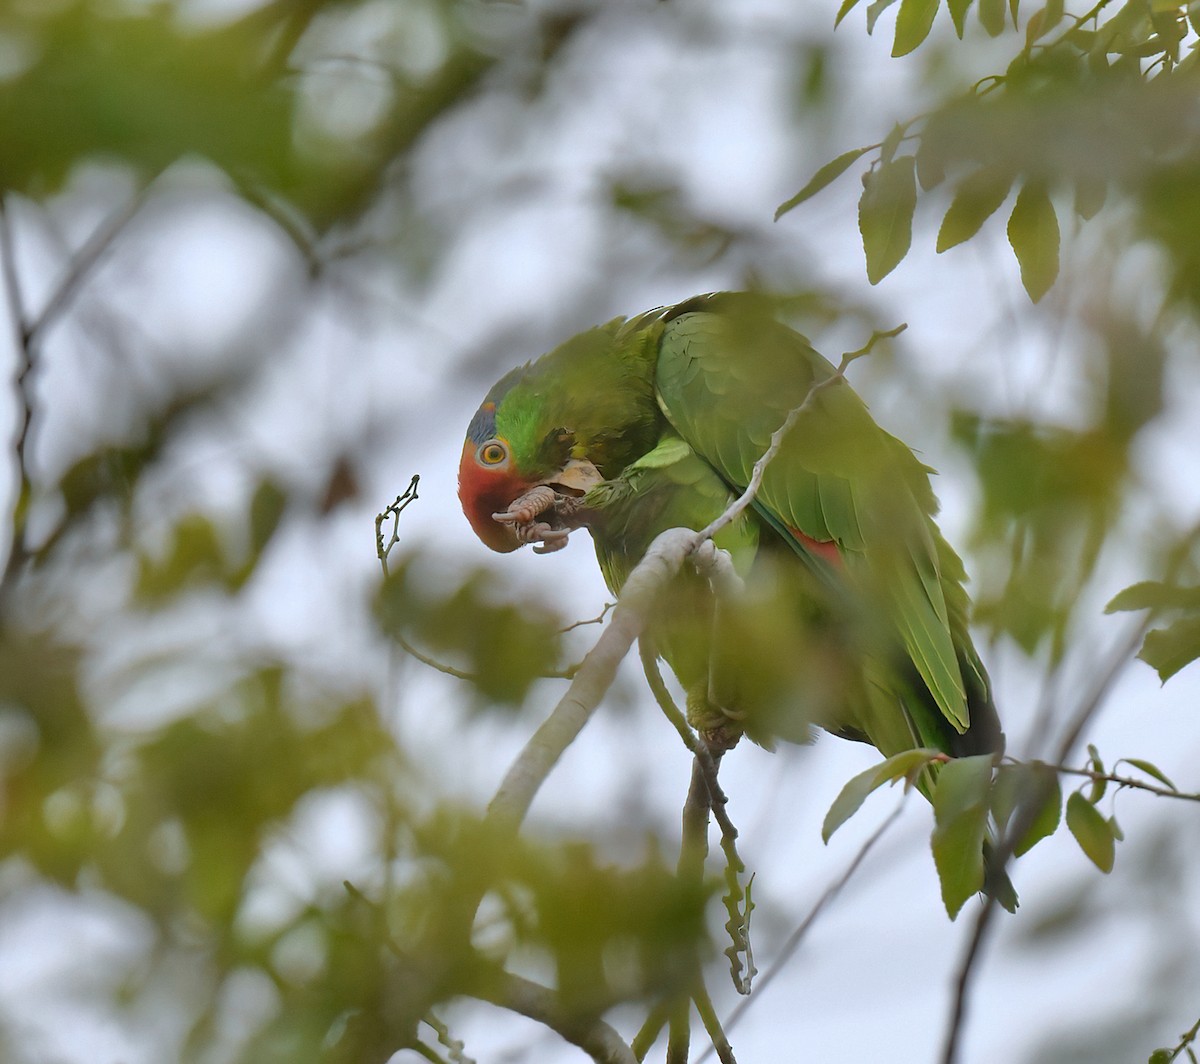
x=577 y=477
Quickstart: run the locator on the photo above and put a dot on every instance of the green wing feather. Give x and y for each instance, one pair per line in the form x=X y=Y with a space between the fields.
x=727 y=376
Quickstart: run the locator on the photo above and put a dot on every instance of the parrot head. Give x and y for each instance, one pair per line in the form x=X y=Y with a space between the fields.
x=508 y=451
x=489 y=479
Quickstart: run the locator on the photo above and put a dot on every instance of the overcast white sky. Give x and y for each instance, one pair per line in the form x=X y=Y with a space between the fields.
x=699 y=96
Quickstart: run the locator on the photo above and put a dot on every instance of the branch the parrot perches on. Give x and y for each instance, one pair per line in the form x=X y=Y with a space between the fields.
x=854 y=617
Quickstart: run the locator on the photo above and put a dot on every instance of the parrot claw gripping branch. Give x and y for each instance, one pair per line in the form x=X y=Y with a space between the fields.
x=854 y=617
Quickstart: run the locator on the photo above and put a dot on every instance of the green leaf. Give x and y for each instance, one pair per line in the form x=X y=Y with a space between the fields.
x=196 y=557
x=1016 y=787
x=1034 y=28
x=913 y=24
x=891 y=143
x=1150 y=770
x=885 y=213
x=1049 y=815
x=960 y=809
x=828 y=173
x=977 y=198
x=843 y=11
x=931 y=163
x=1167 y=650
x=1161 y=1056
x=1154 y=595
x=904 y=765
x=1090 y=193
x=266 y=510
x=1098 y=787
x=874 y=11
x=1033 y=234
x=992 y=16
x=1091 y=831
x=958 y=14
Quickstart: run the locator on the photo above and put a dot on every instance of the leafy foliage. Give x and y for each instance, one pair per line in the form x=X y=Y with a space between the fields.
x=171 y=747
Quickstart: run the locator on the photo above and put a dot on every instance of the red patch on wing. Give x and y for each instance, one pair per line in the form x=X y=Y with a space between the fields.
x=822 y=548
x=483 y=492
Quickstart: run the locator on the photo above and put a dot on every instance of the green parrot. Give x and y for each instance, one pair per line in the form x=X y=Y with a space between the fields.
x=854 y=618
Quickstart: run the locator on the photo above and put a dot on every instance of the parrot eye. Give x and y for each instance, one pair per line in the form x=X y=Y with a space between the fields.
x=492 y=453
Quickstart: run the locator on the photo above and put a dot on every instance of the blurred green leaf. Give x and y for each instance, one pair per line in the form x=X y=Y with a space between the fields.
x=992 y=16
x=1019 y=785
x=844 y=10
x=1092 y=832
x=139 y=88
x=1099 y=786
x=958 y=14
x=194 y=557
x=913 y=24
x=960 y=809
x=976 y=199
x=505 y=645
x=48 y=748
x=1033 y=234
x=826 y=175
x=874 y=10
x=1150 y=770
x=851 y=797
x=1154 y=595
x=1090 y=194
x=1167 y=650
x=266 y=510
x=885 y=213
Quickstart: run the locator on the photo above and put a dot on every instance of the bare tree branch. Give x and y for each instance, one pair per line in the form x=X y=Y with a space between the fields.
x=596 y=673
x=708 y=1015
x=796 y=937
x=650 y=1030
x=17 y=552
x=83 y=262
x=595 y=1037
x=1119 y=658
x=1125 y=782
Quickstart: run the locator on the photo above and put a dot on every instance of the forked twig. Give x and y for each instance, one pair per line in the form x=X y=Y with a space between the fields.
x=394 y=511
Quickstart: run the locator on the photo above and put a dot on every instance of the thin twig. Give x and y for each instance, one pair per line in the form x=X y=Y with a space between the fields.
x=1022 y=821
x=739 y=505
x=421 y=1049
x=1185 y=1041
x=394 y=510
x=716 y=1035
x=17 y=552
x=596 y=1038
x=1002 y=853
x=84 y=261
x=739 y=918
x=1125 y=781
x=797 y=936
x=598 y=619
x=453 y=1046
x=506 y=990
x=650 y=1030
x=698 y=749
x=679 y=1033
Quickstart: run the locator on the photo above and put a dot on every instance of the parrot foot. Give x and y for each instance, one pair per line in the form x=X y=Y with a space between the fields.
x=541 y=516
x=721 y=739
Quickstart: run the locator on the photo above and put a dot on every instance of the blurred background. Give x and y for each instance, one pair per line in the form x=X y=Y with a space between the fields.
x=262 y=261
